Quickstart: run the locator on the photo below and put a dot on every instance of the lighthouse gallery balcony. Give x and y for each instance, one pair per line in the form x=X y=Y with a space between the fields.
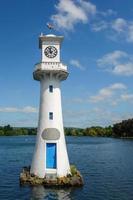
x=57 y=69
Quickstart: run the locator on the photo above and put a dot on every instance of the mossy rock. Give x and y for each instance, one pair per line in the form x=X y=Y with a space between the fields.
x=71 y=180
x=74 y=170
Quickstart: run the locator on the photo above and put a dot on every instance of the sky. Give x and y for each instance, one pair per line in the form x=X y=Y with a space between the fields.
x=97 y=48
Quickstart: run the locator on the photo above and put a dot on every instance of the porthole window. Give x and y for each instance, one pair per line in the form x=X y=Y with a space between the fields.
x=51 y=88
x=51 y=115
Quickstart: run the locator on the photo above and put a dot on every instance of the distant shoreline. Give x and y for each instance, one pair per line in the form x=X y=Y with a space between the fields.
x=72 y=136
x=123 y=130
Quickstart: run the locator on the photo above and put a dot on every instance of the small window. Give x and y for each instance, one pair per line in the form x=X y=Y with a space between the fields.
x=51 y=115
x=51 y=88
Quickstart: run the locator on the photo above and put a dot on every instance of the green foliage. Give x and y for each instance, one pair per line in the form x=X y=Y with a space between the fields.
x=92 y=131
x=73 y=170
x=74 y=132
x=1 y=132
x=123 y=129
x=109 y=131
x=9 y=131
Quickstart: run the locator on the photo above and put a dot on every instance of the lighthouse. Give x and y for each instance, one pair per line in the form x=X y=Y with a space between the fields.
x=50 y=155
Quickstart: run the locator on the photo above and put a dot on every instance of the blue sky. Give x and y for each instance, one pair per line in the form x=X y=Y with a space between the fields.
x=97 y=47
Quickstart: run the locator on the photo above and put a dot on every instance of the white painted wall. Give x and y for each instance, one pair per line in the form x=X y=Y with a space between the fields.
x=50 y=102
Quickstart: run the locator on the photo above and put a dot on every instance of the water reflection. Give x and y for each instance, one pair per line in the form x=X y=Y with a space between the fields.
x=41 y=193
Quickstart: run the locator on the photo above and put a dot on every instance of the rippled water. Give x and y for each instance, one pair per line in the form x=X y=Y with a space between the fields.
x=105 y=163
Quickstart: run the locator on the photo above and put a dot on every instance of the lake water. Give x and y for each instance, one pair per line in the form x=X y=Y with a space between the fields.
x=105 y=163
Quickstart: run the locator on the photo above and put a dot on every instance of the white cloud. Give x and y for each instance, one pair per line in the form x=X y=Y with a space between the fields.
x=117 y=62
x=127 y=97
x=99 y=26
x=106 y=94
x=118 y=29
x=119 y=25
x=71 y=12
x=111 y=58
x=111 y=95
x=99 y=109
x=94 y=117
x=108 y=12
x=102 y=20
x=130 y=33
x=77 y=64
x=27 y=109
x=124 y=69
x=123 y=28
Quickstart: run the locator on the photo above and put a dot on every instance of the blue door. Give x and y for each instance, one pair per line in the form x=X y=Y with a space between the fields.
x=51 y=155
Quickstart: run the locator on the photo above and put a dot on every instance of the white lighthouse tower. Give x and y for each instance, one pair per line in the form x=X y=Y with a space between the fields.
x=50 y=155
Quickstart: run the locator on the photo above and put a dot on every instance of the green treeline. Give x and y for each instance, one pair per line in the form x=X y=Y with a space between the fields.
x=122 y=129
x=92 y=131
x=9 y=131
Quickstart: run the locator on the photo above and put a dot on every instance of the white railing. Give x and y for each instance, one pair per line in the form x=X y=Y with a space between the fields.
x=50 y=66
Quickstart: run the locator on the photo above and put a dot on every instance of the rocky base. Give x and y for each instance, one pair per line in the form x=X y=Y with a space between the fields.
x=71 y=180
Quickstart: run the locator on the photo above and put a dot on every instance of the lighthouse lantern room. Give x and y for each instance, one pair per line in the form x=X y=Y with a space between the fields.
x=50 y=154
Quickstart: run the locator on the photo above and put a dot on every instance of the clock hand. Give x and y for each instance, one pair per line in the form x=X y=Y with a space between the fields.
x=51 y=51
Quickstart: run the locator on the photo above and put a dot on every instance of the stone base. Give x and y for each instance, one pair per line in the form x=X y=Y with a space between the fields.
x=71 y=180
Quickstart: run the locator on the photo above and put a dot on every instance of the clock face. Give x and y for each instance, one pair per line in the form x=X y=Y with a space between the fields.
x=50 y=51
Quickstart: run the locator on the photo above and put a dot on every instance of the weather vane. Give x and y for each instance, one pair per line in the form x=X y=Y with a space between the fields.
x=50 y=26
